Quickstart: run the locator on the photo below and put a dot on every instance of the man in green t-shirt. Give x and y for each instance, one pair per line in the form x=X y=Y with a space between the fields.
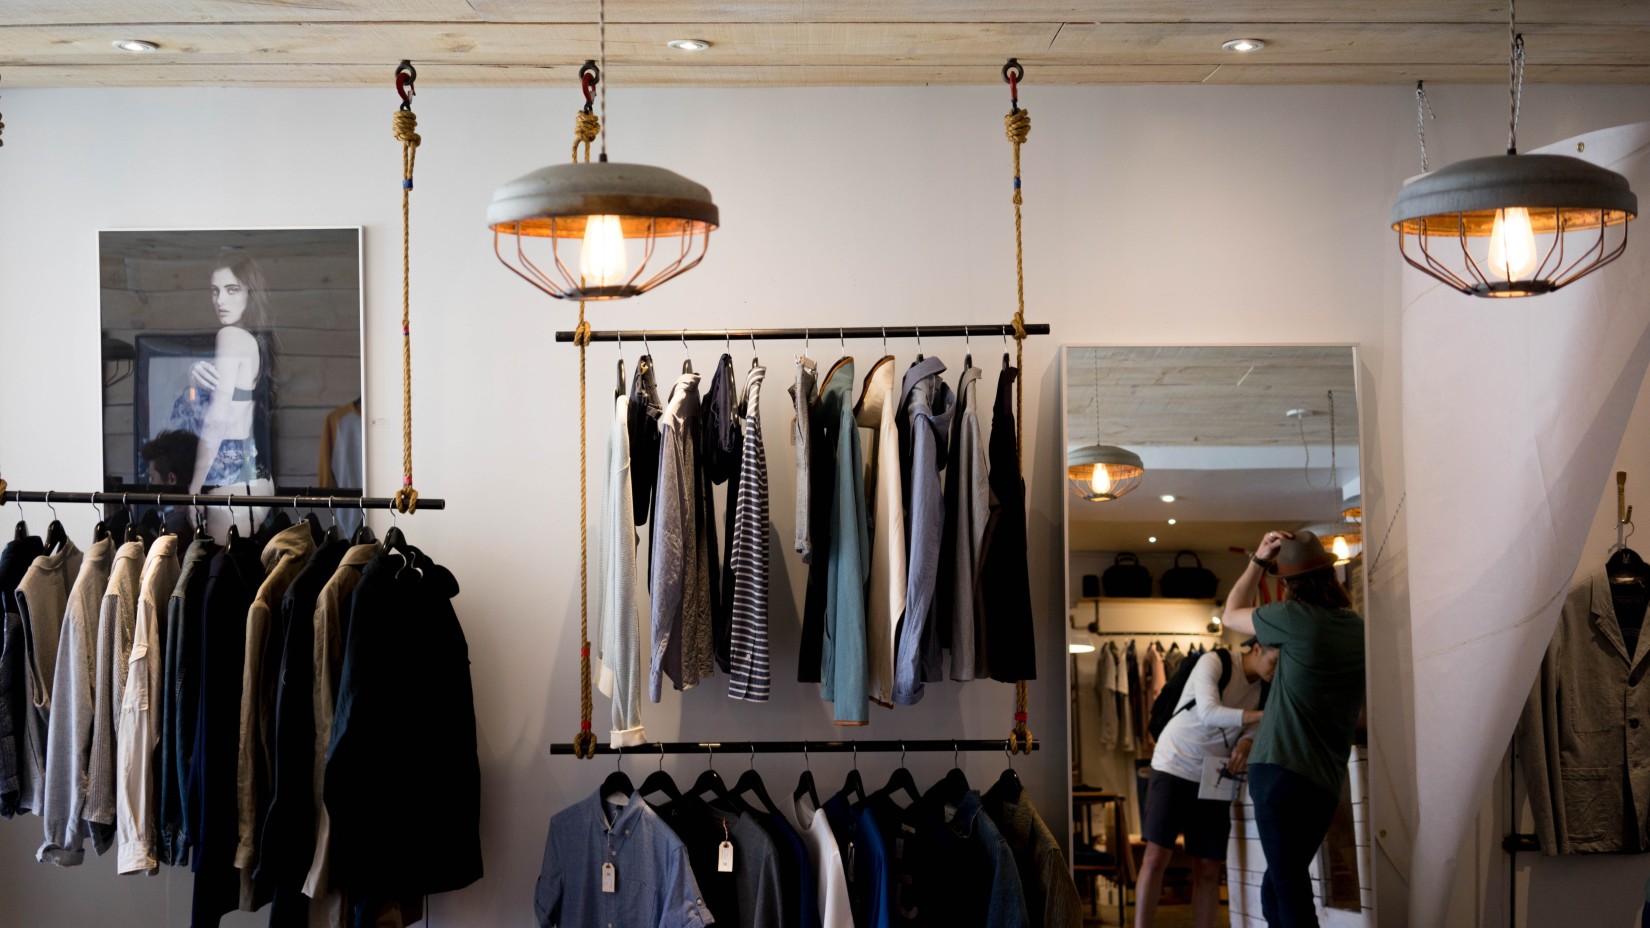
x=1299 y=758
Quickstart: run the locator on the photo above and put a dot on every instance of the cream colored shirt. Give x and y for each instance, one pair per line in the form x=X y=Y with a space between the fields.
x=139 y=731
x=876 y=414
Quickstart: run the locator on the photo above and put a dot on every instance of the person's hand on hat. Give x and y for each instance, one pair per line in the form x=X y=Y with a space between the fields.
x=1270 y=544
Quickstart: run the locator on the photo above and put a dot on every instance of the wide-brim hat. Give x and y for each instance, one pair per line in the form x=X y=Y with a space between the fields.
x=1301 y=554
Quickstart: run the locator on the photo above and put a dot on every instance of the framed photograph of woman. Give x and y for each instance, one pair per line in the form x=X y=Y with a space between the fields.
x=232 y=362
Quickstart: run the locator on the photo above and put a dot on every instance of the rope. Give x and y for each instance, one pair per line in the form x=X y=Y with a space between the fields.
x=406 y=126
x=1017 y=125
x=585 y=129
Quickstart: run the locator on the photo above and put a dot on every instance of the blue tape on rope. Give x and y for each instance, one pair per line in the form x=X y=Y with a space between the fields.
x=407 y=184
x=1016 y=183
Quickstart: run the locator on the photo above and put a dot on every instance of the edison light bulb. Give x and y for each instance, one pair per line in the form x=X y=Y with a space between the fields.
x=602 y=257
x=1512 y=243
x=1343 y=554
x=1100 y=480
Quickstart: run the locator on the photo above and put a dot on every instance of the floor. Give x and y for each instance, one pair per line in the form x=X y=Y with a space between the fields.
x=1168 y=916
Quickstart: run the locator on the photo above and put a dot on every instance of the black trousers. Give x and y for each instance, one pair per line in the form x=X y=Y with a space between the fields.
x=1293 y=815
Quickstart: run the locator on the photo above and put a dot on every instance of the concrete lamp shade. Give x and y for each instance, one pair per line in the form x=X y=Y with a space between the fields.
x=1099 y=473
x=549 y=212
x=1513 y=225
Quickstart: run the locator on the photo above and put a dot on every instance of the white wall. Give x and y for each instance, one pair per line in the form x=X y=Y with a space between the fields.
x=1153 y=216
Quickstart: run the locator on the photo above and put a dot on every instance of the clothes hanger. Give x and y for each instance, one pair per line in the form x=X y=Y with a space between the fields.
x=687 y=359
x=200 y=519
x=805 y=783
x=363 y=532
x=900 y=781
x=711 y=782
x=919 y=343
x=751 y=782
x=755 y=363
x=100 y=531
x=968 y=350
x=332 y=532
x=55 y=535
x=950 y=790
x=617 y=783
x=163 y=529
x=659 y=781
x=316 y=533
x=1007 y=788
x=853 y=788
x=131 y=521
x=22 y=531
x=1005 y=350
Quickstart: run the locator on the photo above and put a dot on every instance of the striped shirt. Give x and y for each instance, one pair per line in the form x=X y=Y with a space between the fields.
x=748 y=676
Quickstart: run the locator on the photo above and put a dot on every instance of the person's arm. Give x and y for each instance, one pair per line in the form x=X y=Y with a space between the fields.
x=1203 y=686
x=216 y=424
x=1239 y=614
x=1239 y=761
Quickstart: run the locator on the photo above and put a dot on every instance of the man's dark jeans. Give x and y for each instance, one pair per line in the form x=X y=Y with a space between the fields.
x=1293 y=815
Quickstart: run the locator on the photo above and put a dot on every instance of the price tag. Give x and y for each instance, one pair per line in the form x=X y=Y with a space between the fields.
x=609 y=879
x=724 y=857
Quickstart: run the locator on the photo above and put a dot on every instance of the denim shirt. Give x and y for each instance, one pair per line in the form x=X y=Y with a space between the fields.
x=928 y=405
x=961 y=869
x=843 y=661
x=653 y=883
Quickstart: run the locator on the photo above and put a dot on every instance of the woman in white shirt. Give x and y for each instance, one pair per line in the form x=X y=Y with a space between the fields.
x=1210 y=721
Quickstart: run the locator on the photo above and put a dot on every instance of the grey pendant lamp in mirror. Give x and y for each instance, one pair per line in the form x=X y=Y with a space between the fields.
x=1513 y=225
x=1100 y=473
x=634 y=226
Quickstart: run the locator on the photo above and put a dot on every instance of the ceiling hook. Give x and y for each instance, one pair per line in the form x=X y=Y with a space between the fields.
x=405 y=77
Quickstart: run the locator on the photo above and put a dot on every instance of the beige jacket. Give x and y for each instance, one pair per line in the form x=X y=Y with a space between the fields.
x=283 y=558
x=140 y=711
x=1585 y=732
x=876 y=414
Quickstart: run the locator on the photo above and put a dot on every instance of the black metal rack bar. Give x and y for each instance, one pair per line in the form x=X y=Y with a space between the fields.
x=191 y=499
x=883 y=746
x=1204 y=634
x=823 y=333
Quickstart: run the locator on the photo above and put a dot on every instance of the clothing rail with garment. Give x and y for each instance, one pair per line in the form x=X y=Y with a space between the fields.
x=802 y=334
x=192 y=499
x=882 y=746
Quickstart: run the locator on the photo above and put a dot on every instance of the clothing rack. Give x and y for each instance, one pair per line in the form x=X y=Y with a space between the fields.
x=1160 y=634
x=192 y=499
x=735 y=748
x=823 y=332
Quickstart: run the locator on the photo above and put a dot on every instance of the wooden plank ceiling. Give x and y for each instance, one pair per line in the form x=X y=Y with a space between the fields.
x=64 y=43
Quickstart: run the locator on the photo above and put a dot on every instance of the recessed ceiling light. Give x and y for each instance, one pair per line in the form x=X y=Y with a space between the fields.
x=1243 y=45
x=1167 y=498
x=1152 y=539
x=689 y=45
x=1171 y=521
x=135 y=45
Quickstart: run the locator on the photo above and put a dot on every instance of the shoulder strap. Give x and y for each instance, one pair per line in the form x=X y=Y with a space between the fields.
x=1225 y=669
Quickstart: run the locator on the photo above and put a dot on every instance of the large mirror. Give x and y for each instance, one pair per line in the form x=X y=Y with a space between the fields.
x=1180 y=460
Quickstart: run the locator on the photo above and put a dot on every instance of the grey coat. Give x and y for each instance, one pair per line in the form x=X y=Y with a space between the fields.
x=1584 y=738
x=69 y=732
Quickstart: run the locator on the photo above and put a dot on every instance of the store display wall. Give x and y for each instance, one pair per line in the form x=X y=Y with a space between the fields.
x=1153 y=215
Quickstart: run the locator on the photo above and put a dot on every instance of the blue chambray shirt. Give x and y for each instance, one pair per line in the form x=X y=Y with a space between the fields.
x=654 y=885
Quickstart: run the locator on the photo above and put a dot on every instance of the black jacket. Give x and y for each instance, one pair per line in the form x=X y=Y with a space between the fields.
x=403 y=783
x=1003 y=588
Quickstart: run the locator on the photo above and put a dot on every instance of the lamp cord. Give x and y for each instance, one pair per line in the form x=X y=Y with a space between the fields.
x=1423 y=111
x=1515 y=75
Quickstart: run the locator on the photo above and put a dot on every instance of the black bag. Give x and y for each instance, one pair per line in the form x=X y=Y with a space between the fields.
x=1188 y=582
x=1126 y=578
x=1168 y=703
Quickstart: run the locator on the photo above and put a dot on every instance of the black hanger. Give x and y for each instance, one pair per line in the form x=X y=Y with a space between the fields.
x=659 y=781
x=900 y=781
x=1008 y=786
x=617 y=781
x=131 y=521
x=853 y=788
x=751 y=782
x=711 y=782
x=55 y=536
x=805 y=783
x=950 y=790
x=1625 y=566
x=618 y=388
x=363 y=532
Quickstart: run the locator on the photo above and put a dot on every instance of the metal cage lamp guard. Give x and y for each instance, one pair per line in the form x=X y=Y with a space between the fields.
x=1477 y=225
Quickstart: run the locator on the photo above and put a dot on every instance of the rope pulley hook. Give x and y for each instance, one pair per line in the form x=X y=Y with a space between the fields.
x=1013 y=74
x=589 y=77
x=405 y=77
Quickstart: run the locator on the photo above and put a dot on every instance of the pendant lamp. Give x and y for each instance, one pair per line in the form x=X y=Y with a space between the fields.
x=1097 y=472
x=1514 y=225
x=603 y=230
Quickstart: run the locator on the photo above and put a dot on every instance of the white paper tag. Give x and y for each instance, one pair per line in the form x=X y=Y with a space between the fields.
x=724 y=857
x=1216 y=783
x=609 y=879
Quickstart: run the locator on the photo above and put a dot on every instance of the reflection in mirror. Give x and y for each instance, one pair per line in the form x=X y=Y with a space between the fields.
x=1232 y=442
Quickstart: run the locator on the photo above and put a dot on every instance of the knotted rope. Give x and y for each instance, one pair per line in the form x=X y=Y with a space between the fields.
x=1017 y=124
x=585 y=129
x=405 y=127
